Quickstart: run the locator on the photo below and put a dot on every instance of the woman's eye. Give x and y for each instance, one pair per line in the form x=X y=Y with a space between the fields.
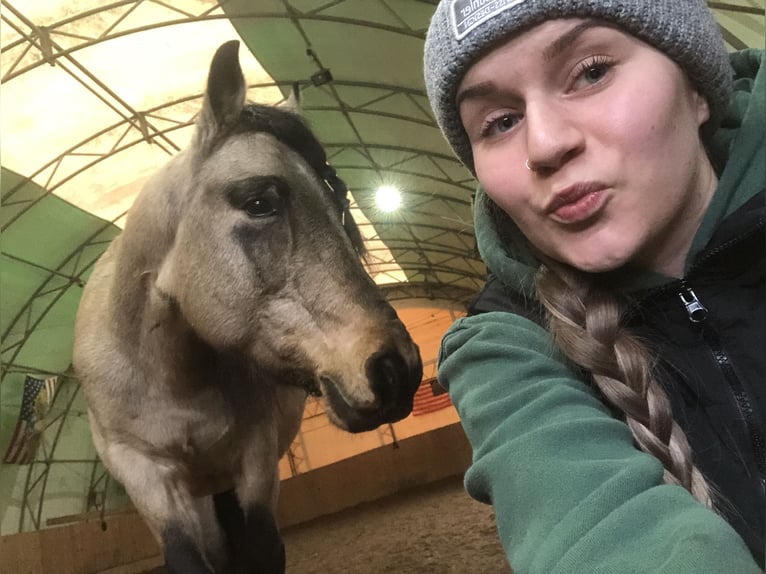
x=499 y=125
x=259 y=207
x=594 y=73
x=591 y=72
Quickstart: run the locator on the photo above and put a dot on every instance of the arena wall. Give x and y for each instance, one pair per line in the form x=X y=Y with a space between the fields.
x=127 y=547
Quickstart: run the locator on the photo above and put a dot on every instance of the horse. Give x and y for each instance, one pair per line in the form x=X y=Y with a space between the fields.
x=235 y=290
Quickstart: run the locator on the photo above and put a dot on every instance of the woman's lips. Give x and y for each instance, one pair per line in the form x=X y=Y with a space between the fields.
x=577 y=203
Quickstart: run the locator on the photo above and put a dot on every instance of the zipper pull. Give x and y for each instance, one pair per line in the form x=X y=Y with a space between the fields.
x=697 y=311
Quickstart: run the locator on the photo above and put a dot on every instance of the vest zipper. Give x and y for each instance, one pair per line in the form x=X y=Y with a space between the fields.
x=697 y=313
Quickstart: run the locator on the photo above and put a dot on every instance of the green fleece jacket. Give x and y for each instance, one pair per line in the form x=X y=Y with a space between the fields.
x=572 y=495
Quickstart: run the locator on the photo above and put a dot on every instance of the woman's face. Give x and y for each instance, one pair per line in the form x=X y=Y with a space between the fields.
x=610 y=128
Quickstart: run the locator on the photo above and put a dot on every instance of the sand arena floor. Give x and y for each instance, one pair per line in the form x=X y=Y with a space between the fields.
x=437 y=529
x=433 y=529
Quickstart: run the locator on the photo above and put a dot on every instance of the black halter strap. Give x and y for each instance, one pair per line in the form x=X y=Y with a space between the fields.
x=338 y=187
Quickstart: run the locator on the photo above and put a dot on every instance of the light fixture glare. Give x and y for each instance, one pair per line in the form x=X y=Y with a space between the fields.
x=388 y=198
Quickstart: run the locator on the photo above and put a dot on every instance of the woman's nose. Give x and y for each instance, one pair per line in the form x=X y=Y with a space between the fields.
x=553 y=136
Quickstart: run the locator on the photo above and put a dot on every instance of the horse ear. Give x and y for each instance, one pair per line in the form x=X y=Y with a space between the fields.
x=292 y=103
x=225 y=93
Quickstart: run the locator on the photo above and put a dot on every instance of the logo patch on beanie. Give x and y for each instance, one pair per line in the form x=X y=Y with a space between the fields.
x=467 y=14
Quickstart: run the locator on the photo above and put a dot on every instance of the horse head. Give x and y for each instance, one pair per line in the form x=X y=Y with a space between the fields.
x=263 y=259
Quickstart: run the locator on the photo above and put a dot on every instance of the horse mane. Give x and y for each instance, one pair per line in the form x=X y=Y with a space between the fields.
x=293 y=131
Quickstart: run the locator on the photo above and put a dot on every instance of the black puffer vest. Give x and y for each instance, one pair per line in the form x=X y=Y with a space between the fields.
x=709 y=331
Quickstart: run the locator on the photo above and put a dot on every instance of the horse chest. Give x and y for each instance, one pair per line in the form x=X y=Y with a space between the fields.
x=208 y=468
x=203 y=449
x=186 y=428
x=204 y=439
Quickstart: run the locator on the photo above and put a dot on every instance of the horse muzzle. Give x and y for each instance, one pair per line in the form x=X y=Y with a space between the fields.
x=393 y=379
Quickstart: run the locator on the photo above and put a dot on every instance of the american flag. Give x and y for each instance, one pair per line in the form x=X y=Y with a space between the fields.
x=38 y=395
x=430 y=397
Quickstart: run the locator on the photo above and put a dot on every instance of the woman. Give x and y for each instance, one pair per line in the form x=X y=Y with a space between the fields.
x=610 y=377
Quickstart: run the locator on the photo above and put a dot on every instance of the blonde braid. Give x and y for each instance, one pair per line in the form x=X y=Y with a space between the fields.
x=585 y=322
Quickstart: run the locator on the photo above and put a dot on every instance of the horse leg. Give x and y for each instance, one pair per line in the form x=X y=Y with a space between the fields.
x=249 y=517
x=185 y=527
x=252 y=538
x=181 y=553
x=263 y=548
x=188 y=532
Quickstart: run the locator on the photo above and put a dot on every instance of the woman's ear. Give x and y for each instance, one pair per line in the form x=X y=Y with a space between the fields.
x=702 y=108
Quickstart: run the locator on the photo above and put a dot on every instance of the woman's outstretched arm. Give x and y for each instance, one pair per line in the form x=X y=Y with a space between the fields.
x=571 y=492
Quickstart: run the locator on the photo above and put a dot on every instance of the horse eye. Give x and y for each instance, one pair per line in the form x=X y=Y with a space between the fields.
x=259 y=207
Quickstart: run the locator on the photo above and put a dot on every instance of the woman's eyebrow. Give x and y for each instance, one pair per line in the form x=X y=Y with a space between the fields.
x=476 y=91
x=565 y=41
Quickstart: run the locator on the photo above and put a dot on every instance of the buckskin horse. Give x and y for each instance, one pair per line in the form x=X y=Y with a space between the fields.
x=235 y=289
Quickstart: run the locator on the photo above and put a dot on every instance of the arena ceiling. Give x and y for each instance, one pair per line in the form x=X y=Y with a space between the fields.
x=96 y=95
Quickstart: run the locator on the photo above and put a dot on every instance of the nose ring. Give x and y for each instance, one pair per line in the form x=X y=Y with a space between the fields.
x=526 y=164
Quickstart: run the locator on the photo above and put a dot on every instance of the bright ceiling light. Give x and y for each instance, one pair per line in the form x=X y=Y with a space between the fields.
x=388 y=198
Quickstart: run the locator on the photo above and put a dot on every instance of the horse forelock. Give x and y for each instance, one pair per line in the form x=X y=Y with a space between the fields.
x=290 y=129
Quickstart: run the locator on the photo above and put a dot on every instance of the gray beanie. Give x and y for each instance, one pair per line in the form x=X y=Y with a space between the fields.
x=463 y=30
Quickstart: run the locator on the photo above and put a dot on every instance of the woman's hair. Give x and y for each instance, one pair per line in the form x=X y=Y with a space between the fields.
x=584 y=318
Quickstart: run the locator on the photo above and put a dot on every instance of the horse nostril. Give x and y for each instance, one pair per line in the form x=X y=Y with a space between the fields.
x=388 y=375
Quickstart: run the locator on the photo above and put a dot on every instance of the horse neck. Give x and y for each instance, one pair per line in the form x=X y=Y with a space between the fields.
x=168 y=342
x=174 y=355
x=145 y=315
x=155 y=215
